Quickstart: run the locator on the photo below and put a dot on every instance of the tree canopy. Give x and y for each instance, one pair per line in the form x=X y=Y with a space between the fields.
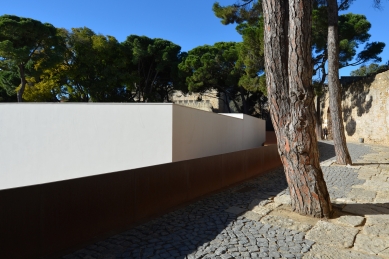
x=371 y=69
x=24 y=41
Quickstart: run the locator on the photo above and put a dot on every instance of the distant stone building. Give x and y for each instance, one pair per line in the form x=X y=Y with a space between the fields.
x=208 y=101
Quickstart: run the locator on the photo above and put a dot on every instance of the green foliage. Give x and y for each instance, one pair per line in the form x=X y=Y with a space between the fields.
x=23 y=42
x=220 y=67
x=212 y=67
x=153 y=67
x=95 y=67
x=353 y=31
x=251 y=57
x=245 y=11
x=371 y=69
x=48 y=64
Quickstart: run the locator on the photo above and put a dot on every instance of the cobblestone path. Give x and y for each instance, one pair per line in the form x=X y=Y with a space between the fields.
x=254 y=219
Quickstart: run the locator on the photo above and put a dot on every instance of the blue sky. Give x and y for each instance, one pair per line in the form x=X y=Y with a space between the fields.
x=188 y=23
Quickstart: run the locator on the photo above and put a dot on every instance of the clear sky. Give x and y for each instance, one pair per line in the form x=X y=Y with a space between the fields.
x=188 y=23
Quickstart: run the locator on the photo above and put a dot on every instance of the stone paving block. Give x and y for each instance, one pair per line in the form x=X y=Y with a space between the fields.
x=384 y=253
x=351 y=221
x=272 y=205
x=343 y=201
x=283 y=199
x=353 y=167
x=377 y=226
x=370 y=245
x=365 y=176
x=331 y=234
x=361 y=195
x=376 y=185
x=365 y=169
x=285 y=223
x=380 y=177
x=235 y=210
x=365 y=209
x=382 y=197
x=319 y=251
x=327 y=162
x=261 y=210
x=252 y=215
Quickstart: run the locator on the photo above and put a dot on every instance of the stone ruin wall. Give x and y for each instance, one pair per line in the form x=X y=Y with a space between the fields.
x=209 y=101
x=365 y=109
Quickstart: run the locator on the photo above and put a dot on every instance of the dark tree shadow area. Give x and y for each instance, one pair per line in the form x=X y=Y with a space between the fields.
x=357 y=92
x=363 y=209
x=326 y=151
x=362 y=164
x=185 y=230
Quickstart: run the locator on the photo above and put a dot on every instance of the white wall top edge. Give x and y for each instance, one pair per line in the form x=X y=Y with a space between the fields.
x=234 y=115
x=199 y=134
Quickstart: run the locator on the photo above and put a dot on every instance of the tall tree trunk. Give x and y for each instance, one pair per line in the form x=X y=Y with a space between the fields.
x=341 y=150
x=288 y=78
x=23 y=83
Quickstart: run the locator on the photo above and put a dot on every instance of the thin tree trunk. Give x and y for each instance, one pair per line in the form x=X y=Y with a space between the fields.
x=341 y=150
x=288 y=77
x=23 y=83
x=318 y=118
x=319 y=128
x=244 y=101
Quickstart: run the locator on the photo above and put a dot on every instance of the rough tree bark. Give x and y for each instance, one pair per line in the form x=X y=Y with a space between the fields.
x=288 y=76
x=341 y=150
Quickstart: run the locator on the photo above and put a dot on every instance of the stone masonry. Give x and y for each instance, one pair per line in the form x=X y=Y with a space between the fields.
x=365 y=106
x=207 y=101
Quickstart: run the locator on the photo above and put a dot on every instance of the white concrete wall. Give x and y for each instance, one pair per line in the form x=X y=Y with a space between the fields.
x=199 y=134
x=42 y=143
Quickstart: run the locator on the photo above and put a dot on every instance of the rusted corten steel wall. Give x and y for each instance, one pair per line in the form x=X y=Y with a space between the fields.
x=50 y=219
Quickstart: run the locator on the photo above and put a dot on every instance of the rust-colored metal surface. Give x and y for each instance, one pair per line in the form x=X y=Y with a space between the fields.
x=43 y=220
x=271 y=138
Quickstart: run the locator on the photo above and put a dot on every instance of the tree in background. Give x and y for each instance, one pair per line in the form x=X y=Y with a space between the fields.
x=251 y=58
x=342 y=155
x=152 y=65
x=369 y=70
x=79 y=65
x=353 y=31
x=214 y=67
x=250 y=52
x=222 y=67
x=371 y=52
x=95 y=67
x=24 y=41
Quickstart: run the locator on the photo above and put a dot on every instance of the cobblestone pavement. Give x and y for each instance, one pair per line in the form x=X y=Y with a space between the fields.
x=254 y=219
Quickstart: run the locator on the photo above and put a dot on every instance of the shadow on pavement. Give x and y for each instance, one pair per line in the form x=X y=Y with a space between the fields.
x=361 y=164
x=326 y=151
x=365 y=209
x=182 y=232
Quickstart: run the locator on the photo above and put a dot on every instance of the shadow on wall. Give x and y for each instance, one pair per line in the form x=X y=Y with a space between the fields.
x=357 y=92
